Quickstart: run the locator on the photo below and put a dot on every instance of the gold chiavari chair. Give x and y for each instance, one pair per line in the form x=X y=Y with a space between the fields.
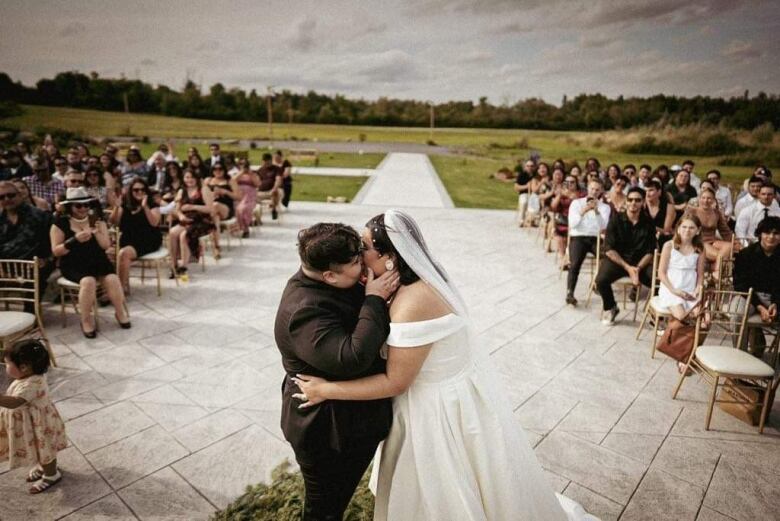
x=653 y=310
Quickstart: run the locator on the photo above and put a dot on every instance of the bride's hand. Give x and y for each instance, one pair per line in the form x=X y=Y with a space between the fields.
x=312 y=388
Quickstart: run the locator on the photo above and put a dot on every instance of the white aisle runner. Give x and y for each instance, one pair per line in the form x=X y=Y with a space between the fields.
x=404 y=180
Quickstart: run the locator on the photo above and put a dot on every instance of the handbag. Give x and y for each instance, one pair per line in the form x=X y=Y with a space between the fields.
x=677 y=340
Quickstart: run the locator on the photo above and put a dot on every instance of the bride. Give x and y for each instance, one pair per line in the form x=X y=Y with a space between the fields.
x=455 y=451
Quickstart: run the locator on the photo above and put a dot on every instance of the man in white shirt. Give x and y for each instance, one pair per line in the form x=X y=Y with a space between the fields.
x=688 y=167
x=722 y=193
x=746 y=199
x=588 y=218
x=749 y=217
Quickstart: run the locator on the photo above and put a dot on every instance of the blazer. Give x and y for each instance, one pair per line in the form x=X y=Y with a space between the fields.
x=335 y=334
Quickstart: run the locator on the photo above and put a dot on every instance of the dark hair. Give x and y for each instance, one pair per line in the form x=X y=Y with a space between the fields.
x=267 y=157
x=383 y=245
x=688 y=162
x=615 y=166
x=214 y=144
x=128 y=201
x=713 y=171
x=646 y=167
x=755 y=179
x=768 y=224
x=279 y=153
x=636 y=190
x=769 y=185
x=624 y=178
x=631 y=166
x=31 y=352
x=324 y=246
x=698 y=245
x=655 y=183
x=99 y=171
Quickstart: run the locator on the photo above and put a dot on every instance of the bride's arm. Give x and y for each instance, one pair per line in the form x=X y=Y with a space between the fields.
x=403 y=364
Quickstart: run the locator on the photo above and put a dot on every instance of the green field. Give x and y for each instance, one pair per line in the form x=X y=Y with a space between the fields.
x=467 y=176
x=317 y=188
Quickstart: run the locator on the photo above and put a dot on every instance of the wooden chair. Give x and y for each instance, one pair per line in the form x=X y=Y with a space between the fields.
x=589 y=259
x=20 y=288
x=652 y=309
x=227 y=227
x=155 y=260
x=624 y=282
x=728 y=367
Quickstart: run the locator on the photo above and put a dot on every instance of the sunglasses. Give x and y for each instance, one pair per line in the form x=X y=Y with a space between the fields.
x=9 y=196
x=634 y=200
x=139 y=190
x=79 y=206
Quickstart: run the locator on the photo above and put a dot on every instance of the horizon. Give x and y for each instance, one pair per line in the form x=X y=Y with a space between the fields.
x=435 y=50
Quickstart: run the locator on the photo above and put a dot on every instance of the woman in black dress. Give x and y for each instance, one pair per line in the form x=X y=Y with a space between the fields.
x=194 y=207
x=80 y=241
x=224 y=196
x=138 y=219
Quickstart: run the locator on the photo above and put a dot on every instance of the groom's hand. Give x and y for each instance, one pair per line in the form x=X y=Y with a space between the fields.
x=383 y=286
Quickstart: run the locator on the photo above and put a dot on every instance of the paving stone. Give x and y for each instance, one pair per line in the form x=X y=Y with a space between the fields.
x=691 y=459
x=211 y=429
x=743 y=491
x=663 y=496
x=109 y=508
x=140 y=383
x=168 y=407
x=649 y=416
x=707 y=514
x=642 y=447
x=164 y=495
x=98 y=429
x=124 y=361
x=596 y=505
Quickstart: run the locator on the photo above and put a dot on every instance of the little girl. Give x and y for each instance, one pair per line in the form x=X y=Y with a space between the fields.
x=31 y=430
x=681 y=269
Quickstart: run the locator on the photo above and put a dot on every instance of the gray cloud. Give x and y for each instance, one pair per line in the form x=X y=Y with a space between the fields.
x=148 y=62
x=302 y=38
x=741 y=50
x=72 y=29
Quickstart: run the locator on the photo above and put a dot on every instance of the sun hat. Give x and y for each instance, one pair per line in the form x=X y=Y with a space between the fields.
x=78 y=194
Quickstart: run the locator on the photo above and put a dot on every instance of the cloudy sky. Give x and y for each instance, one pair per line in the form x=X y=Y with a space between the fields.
x=425 y=49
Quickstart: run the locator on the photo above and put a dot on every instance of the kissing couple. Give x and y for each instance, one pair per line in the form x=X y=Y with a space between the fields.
x=427 y=409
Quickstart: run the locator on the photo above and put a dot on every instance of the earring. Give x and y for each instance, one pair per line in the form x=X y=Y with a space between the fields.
x=389 y=265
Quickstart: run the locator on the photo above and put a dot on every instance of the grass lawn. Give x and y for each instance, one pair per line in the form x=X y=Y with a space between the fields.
x=317 y=187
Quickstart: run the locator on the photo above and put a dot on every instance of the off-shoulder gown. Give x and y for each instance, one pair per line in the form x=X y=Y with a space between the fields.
x=455 y=451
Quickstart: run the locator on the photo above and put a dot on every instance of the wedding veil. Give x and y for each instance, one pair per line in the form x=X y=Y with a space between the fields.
x=405 y=235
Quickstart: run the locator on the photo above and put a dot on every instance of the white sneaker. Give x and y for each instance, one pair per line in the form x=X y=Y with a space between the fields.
x=609 y=320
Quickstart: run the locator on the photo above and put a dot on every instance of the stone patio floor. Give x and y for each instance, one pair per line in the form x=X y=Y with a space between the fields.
x=174 y=417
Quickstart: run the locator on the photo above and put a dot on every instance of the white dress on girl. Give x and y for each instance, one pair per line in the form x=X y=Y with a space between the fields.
x=455 y=451
x=681 y=273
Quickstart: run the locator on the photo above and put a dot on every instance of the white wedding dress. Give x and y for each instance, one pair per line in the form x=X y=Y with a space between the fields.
x=455 y=451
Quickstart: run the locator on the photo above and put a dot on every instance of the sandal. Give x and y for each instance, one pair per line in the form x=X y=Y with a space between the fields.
x=45 y=483
x=35 y=474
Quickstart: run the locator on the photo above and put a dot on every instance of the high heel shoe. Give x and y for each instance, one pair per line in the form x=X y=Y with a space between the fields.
x=88 y=334
x=123 y=325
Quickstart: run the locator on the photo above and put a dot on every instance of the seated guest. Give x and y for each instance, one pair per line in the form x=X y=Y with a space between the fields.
x=41 y=183
x=157 y=172
x=24 y=231
x=630 y=172
x=246 y=183
x=14 y=167
x=693 y=178
x=588 y=217
x=612 y=173
x=616 y=197
x=715 y=232
x=172 y=182
x=522 y=188
x=643 y=176
x=271 y=179
x=100 y=186
x=749 y=195
x=216 y=157
x=561 y=202
x=194 y=207
x=758 y=266
x=138 y=218
x=682 y=192
x=80 y=240
x=554 y=184
x=222 y=188
x=196 y=165
x=660 y=210
x=135 y=166
x=722 y=194
x=24 y=194
x=629 y=245
x=765 y=206
x=60 y=169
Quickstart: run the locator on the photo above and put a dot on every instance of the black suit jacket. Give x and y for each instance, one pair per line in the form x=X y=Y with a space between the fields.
x=335 y=334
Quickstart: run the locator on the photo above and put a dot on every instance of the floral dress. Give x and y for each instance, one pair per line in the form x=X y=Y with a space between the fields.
x=33 y=433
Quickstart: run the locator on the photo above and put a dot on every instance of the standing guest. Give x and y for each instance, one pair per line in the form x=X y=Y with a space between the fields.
x=134 y=167
x=525 y=173
x=15 y=166
x=194 y=207
x=138 y=218
x=166 y=150
x=722 y=194
x=246 y=184
x=60 y=169
x=216 y=157
x=588 y=218
x=286 y=166
x=629 y=246
x=713 y=222
x=24 y=231
x=270 y=184
x=694 y=179
x=560 y=204
x=660 y=210
x=31 y=430
x=754 y=185
x=80 y=241
x=758 y=267
x=616 y=197
x=41 y=183
x=26 y=197
x=765 y=206
x=682 y=192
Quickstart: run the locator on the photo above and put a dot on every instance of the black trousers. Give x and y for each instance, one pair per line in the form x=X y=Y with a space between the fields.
x=608 y=273
x=331 y=478
x=287 y=185
x=579 y=247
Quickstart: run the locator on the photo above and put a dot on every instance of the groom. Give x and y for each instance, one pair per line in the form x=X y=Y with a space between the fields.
x=328 y=325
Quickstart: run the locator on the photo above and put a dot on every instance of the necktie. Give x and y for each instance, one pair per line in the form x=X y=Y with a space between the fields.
x=766 y=213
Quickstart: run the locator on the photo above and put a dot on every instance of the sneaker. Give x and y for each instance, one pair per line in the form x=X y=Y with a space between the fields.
x=570 y=300
x=274 y=214
x=609 y=320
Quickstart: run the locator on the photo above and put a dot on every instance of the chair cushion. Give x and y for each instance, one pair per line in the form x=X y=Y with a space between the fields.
x=14 y=321
x=62 y=281
x=155 y=255
x=728 y=360
x=228 y=222
x=661 y=310
x=624 y=280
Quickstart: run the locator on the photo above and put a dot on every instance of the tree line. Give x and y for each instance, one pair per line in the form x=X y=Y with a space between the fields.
x=583 y=112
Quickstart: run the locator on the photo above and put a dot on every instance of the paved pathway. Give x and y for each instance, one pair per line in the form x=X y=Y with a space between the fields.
x=407 y=180
x=172 y=418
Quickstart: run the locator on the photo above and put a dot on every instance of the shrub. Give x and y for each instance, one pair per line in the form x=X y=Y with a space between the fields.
x=282 y=500
x=430 y=142
x=362 y=137
x=763 y=134
x=9 y=109
x=760 y=156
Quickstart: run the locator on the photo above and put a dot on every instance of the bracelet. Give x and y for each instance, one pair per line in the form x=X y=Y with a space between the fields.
x=69 y=242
